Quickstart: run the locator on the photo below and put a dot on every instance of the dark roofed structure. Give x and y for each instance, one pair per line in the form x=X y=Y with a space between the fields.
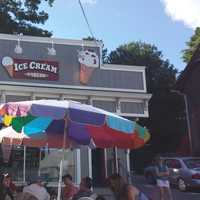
x=188 y=84
x=182 y=79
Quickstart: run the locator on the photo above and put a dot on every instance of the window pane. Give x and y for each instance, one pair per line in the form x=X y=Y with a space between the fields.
x=192 y=163
x=106 y=105
x=169 y=163
x=177 y=164
x=50 y=164
x=132 y=107
x=172 y=163
x=32 y=163
x=14 y=166
x=12 y=98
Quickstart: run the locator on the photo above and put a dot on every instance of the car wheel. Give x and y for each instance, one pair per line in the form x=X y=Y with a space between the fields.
x=182 y=185
x=150 y=178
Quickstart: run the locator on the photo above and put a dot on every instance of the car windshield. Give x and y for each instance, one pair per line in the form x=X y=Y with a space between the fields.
x=192 y=163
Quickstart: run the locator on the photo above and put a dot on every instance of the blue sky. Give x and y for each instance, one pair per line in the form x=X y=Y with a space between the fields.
x=160 y=22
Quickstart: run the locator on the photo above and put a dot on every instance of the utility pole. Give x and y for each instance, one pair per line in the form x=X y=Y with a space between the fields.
x=187 y=118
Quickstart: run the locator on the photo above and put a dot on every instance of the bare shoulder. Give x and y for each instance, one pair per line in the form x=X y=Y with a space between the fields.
x=132 y=189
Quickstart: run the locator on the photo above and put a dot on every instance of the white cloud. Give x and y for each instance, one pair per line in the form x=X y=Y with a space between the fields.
x=187 y=11
x=89 y=1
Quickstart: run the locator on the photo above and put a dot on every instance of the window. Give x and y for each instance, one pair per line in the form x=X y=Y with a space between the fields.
x=132 y=107
x=45 y=162
x=11 y=98
x=13 y=164
x=50 y=164
x=106 y=105
x=173 y=163
x=192 y=163
x=32 y=163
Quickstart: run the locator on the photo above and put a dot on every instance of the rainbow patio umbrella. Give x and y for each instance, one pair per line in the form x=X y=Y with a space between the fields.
x=62 y=124
x=59 y=123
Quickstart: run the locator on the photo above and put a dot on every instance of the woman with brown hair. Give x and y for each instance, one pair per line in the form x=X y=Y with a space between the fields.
x=7 y=188
x=123 y=190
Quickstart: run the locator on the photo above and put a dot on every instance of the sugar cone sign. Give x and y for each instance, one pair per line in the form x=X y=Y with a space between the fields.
x=31 y=69
x=8 y=63
x=89 y=61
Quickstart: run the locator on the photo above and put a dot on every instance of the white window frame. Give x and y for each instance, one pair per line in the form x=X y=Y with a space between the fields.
x=146 y=112
x=128 y=68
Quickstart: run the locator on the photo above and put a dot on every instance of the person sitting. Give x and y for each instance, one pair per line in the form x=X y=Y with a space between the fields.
x=7 y=188
x=70 y=189
x=11 y=185
x=85 y=189
x=37 y=190
x=123 y=190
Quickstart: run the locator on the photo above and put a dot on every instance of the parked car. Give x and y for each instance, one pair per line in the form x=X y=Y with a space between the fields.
x=184 y=172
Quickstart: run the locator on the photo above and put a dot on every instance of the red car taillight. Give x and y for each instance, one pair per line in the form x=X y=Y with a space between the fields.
x=196 y=176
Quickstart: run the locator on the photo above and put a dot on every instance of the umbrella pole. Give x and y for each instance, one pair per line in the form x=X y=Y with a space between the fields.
x=40 y=156
x=24 y=166
x=61 y=162
x=60 y=180
x=116 y=165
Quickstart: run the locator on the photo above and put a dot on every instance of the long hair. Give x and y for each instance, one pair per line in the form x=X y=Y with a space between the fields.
x=116 y=182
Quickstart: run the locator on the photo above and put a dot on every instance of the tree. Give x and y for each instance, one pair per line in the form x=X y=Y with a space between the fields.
x=21 y=16
x=165 y=108
x=191 y=46
x=161 y=75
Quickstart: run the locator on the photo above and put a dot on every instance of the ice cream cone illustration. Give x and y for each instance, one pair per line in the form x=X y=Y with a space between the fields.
x=85 y=73
x=88 y=62
x=8 y=63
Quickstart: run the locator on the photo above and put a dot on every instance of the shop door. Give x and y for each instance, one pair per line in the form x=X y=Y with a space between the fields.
x=98 y=167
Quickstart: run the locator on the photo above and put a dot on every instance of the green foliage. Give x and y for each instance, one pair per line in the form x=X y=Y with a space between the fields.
x=165 y=107
x=161 y=75
x=20 y=17
x=191 y=46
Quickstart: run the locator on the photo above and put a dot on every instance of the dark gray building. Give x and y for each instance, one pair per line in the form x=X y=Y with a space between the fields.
x=189 y=85
x=47 y=68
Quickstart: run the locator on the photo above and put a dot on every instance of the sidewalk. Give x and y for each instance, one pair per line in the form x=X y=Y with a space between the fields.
x=151 y=190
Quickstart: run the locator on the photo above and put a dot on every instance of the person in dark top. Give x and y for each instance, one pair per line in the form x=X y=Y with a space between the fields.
x=85 y=189
x=9 y=181
x=123 y=190
x=162 y=173
x=7 y=188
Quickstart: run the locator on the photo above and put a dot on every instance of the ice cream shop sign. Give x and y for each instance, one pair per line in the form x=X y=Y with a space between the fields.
x=31 y=69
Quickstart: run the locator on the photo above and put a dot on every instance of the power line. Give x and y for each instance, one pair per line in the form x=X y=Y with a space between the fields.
x=86 y=20
x=89 y=27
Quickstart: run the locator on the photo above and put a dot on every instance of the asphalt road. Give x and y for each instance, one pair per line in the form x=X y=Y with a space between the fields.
x=153 y=191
